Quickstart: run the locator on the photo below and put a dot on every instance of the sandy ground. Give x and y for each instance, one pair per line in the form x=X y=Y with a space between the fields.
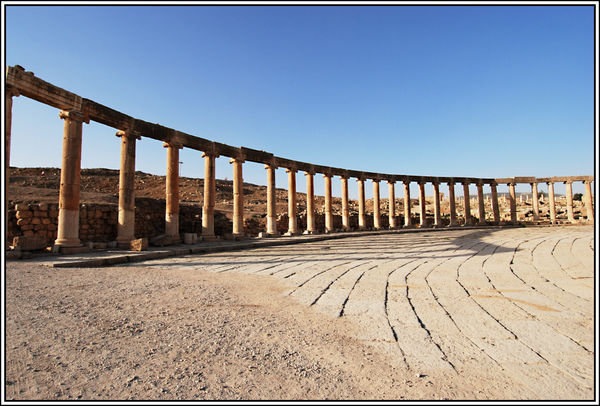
x=497 y=315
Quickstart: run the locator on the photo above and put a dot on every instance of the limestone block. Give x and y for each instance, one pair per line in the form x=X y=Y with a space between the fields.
x=162 y=240
x=23 y=222
x=141 y=244
x=21 y=207
x=23 y=214
x=30 y=242
x=36 y=220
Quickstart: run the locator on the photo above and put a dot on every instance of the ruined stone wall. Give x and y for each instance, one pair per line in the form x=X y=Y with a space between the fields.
x=98 y=222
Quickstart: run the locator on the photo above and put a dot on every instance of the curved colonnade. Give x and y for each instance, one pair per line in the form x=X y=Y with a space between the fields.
x=75 y=111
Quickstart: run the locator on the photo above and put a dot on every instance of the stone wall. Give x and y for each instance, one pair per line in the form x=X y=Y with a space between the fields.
x=98 y=222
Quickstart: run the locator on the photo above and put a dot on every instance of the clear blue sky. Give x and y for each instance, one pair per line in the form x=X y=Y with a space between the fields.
x=476 y=91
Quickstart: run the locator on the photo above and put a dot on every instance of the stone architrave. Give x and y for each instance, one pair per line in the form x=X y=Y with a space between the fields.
x=422 y=205
x=589 y=206
x=238 y=197
x=362 y=223
x=126 y=215
x=345 y=204
x=392 y=205
x=376 y=205
x=407 y=208
x=535 y=203
x=172 y=192
x=310 y=203
x=552 y=202
x=328 y=204
x=452 y=203
x=292 y=220
x=481 y=203
x=467 y=204
x=437 y=215
x=210 y=192
x=70 y=180
x=271 y=208
x=569 y=190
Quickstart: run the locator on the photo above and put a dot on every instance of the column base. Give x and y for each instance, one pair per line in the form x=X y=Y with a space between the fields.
x=68 y=242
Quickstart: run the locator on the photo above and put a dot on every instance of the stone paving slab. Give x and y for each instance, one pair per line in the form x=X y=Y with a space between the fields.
x=517 y=303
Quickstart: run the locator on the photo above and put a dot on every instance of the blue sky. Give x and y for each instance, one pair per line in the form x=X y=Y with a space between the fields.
x=476 y=91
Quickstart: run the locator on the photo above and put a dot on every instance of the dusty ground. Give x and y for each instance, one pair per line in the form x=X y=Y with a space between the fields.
x=494 y=314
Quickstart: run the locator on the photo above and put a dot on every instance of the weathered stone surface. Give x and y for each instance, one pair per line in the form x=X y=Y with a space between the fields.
x=162 y=240
x=141 y=244
x=30 y=243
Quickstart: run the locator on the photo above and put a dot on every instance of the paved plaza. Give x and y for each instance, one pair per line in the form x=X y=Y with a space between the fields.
x=516 y=302
x=512 y=307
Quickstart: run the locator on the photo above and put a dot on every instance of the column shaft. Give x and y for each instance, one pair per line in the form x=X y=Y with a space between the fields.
x=552 y=202
x=495 y=205
x=328 y=208
x=589 y=206
x=422 y=204
x=569 y=190
x=271 y=208
x=452 y=203
x=407 y=209
x=535 y=204
x=345 y=205
x=376 y=206
x=310 y=203
x=437 y=215
x=8 y=104
x=238 y=197
x=392 y=205
x=172 y=192
x=481 y=203
x=210 y=192
x=126 y=216
x=467 y=204
x=70 y=180
x=362 y=221
x=292 y=221
x=513 y=203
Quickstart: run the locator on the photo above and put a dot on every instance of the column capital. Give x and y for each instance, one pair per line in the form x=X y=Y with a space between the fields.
x=307 y=173
x=127 y=133
x=172 y=145
x=568 y=182
x=238 y=160
x=391 y=182
x=270 y=166
x=290 y=170
x=72 y=115
x=211 y=154
x=12 y=91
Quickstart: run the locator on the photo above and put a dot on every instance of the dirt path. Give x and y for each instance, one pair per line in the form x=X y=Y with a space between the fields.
x=452 y=315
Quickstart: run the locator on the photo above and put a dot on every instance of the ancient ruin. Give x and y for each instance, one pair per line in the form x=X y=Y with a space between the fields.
x=76 y=110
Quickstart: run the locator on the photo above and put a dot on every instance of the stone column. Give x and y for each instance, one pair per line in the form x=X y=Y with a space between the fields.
x=172 y=191
x=328 y=202
x=238 y=197
x=292 y=221
x=422 y=204
x=569 y=190
x=345 y=204
x=467 y=204
x=495 y=206
x=271 y=207
x=452 y=201
x=552 y=202
x=589 y=206
x=210 y=192
x=126 y=221
x=407 y=208
x=437 y=216
x=481 y=203
x=8 y=100
x=70 y=180
x=535 y=203
x=513 y=203
x=362 y=221
x=310 y=203
x=376 y=205
x=392 y=205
